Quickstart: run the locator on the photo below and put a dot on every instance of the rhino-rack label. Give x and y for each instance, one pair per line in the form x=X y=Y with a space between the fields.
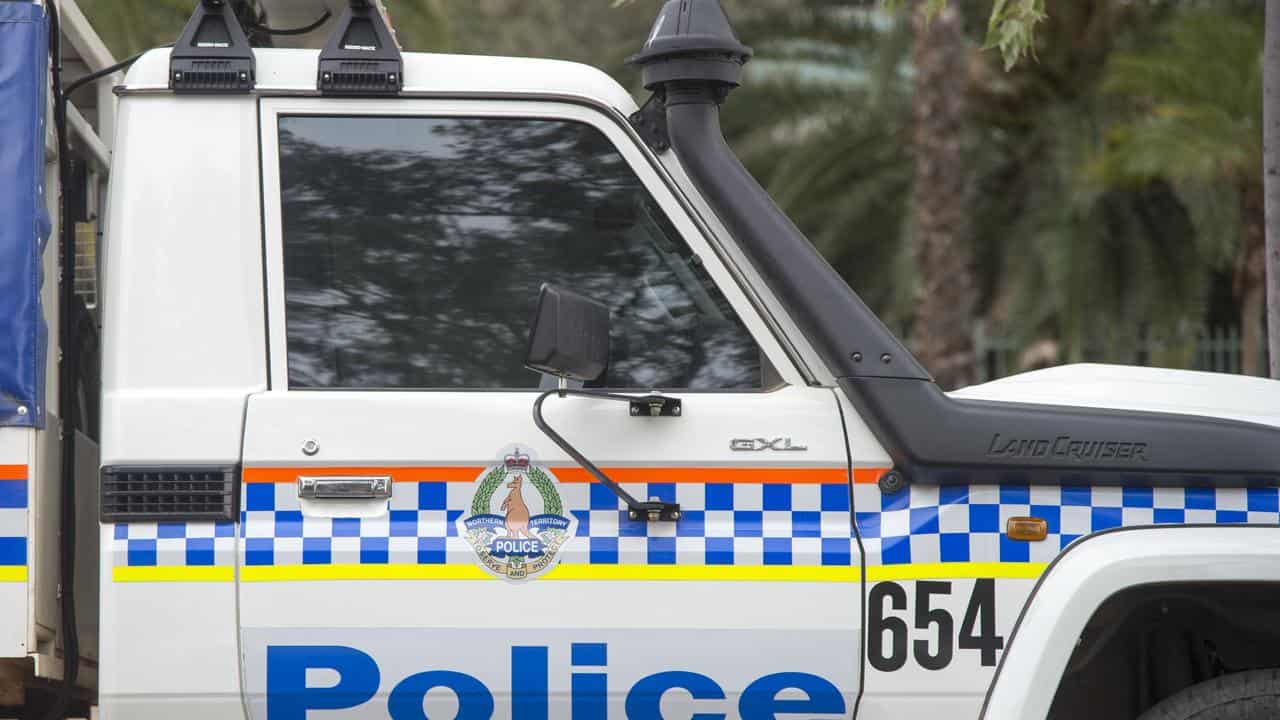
x=415 y=674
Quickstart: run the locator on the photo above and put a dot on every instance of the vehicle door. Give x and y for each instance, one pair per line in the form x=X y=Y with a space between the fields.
x=412 y=544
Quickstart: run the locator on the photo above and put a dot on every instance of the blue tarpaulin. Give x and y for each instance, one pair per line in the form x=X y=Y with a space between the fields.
x=24 y=220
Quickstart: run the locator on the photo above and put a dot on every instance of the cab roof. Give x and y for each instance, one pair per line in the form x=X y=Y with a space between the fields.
x=294 y=70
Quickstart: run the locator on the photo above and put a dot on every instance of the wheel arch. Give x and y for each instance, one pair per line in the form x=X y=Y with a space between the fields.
x=1100 y=567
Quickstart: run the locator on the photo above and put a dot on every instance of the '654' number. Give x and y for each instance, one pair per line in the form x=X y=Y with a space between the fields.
x=887 y=634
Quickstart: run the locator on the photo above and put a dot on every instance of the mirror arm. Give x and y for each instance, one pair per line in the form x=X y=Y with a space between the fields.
x=636 y=509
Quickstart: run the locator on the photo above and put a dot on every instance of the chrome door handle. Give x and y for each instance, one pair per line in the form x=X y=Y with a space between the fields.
x=345 y=487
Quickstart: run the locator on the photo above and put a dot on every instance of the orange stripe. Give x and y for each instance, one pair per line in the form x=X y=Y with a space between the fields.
x=13 y=472
x=575 y=474
x=398 y=474
x=864 y=476
x=787 y=476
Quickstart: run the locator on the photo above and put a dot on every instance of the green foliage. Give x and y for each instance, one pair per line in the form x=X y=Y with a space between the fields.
x=550 y=498
x=1096 y=267
x=131 y=26
x=1199 y=98
x=1196 y=122
x=488 y=486
x=1011 y=29
x=823 y=120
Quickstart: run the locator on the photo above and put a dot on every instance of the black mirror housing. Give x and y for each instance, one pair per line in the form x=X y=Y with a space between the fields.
x=569 y=337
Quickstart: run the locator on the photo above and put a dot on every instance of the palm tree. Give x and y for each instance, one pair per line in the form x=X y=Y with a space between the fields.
x=947 y=292
x=823 y=120
x=1197 y=123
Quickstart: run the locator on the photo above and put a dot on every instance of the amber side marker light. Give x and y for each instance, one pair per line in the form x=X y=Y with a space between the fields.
x=1031 y=529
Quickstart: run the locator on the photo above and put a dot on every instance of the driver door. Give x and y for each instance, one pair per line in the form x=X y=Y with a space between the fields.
x=413 y=544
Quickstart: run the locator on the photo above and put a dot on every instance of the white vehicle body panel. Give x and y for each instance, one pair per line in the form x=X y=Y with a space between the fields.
x=1099 y=567
x=184 y=345
x=15 y=463
x=1234 y=397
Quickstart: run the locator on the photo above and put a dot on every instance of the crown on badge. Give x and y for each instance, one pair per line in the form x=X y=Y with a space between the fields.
x=516 y=461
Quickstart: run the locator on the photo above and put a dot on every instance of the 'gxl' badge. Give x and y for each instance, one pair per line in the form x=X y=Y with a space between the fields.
x=782 y=444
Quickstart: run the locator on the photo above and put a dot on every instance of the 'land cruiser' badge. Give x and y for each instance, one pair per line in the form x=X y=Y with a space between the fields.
x=517 y=523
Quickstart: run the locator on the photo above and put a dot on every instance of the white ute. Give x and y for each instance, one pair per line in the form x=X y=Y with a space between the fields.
x=463 y=387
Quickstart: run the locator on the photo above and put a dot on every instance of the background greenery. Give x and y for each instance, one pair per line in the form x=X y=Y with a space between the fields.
x=1109 y=186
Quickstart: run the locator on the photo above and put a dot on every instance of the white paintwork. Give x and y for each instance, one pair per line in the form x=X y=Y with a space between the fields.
x=1236 y=397
x=183 y=340
x=168 y=650
x=864 y=450
x=1099 y=567
x=386 y=429
x=16 y=447
x=184 y=344
x=732 y=658
x=407 y=428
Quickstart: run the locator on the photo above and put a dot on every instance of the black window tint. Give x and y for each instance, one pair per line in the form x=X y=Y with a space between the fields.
x=414 y=249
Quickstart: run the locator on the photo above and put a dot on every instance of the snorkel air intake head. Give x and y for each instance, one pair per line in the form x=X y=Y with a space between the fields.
x=692 y=42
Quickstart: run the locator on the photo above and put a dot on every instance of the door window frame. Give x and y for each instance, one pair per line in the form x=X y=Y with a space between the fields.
x=271 y=110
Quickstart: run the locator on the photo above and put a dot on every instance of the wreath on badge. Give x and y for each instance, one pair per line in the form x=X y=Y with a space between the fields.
x=486 y=531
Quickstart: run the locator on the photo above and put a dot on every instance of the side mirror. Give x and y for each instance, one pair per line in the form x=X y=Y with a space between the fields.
x=569 y=337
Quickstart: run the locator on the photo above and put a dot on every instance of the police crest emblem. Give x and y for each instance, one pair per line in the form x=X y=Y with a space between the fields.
x=517 y=523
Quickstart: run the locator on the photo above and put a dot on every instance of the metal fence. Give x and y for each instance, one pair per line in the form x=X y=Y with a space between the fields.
x=1213 y=350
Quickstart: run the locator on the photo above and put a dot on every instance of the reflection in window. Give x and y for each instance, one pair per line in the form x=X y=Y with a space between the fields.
x=414 y=249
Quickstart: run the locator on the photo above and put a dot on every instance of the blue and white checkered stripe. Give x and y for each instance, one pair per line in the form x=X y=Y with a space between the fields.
x=930 y=524
x=721 y=524
x=13 y=522
x=169 y=544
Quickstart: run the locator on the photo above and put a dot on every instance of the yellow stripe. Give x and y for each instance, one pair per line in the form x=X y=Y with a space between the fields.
x=284 y=573
x=13 y=573
x=184 y=573
x=768 y=573
x=925 y=571
x=719 y=573
x=751 y=573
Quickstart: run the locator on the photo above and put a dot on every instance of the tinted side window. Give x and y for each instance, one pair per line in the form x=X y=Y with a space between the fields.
x=414 y=249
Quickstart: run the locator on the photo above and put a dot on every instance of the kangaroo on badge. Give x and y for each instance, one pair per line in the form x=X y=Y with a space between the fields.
x=521 y=538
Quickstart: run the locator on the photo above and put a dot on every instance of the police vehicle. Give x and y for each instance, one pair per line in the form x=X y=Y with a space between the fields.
x=436 y=386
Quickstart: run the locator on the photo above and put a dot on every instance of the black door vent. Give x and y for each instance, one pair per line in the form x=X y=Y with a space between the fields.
x=170 y=493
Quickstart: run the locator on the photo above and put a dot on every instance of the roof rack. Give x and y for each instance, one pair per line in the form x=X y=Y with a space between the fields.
x=212 y=55
x=361 y=56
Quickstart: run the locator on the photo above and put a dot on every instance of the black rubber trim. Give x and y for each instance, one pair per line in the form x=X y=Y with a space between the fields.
x=937 y=439
x=849 y=337
x=1035 y=591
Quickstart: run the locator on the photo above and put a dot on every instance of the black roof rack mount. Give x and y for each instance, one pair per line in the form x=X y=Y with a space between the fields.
x=361 y=57
x=212 y=55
